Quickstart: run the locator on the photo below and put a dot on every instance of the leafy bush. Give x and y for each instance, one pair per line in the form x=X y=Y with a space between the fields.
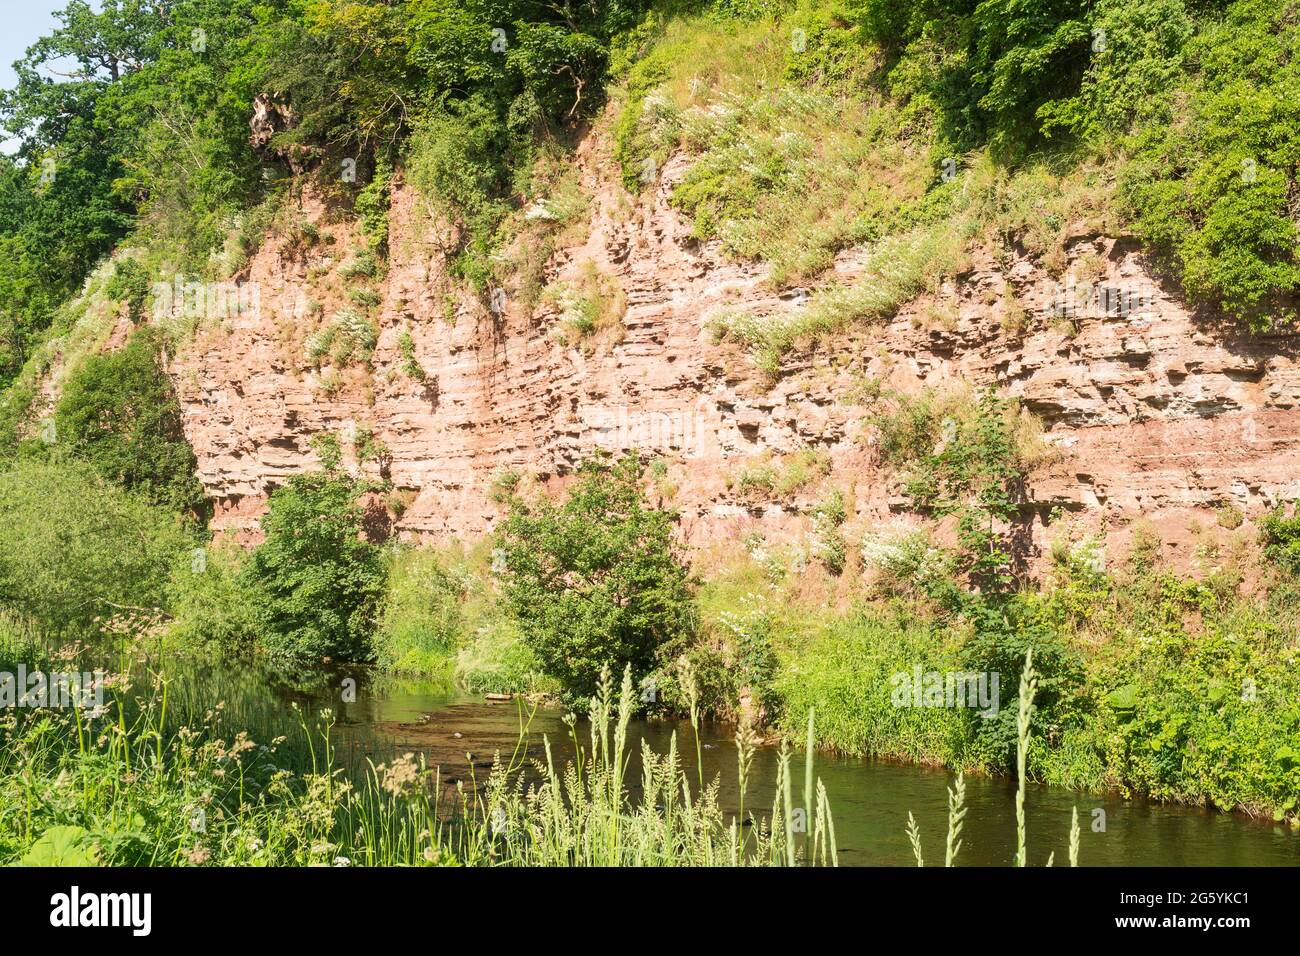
x=962 y=461
x=316 y=583
x=423 y=618
x=348 y=337
x=210 y=603
x=1188 y=694
x=1212 y=191
x=1280 y=534
x=596 y=582
x=74 y=547
x=998 y=645
x=828 y=541
x=119 y=413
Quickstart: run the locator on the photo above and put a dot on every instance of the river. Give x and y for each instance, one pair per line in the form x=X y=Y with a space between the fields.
x=870 y=799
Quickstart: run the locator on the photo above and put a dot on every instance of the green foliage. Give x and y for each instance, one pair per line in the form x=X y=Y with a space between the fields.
x=828 y=543
x=794 y=158
x=423 y=617
x=129 y=284
x=347 y=338
x=1141 y=57
x=495 y=659
x=119 y=413
x=1280 y=534
x=754 y=664
x=455 y=161
x=595 y=582
x=1190 y=695
x=317 y=583
x=210 y=603
x=1212 y=191
x=998 y=645
x=62 y=846
x=963 y=461
x=128 y=797
x=372 y=206
x=498 y=75
x=410 y=363
x=74 y=548
x=846 y=672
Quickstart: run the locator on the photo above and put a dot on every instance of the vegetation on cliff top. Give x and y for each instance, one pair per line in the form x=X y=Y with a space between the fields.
x=812 y=128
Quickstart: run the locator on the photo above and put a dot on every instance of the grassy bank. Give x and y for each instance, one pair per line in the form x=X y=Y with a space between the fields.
x=146 y=777
x=141 y=781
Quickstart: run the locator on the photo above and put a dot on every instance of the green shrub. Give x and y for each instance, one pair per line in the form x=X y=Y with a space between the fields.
x=74 y=547
x=828 y=540
x=410 y=363
x=1280 y=534
x=129 y=284
x=210 y=603
x=1212 y=191
x=997 y=645
x=962 y=459
x=349 y=337
x=455 y=162
x=372 y=206
x=120 y=414
x=596 y=582
x=316 y=583
x=753 y=663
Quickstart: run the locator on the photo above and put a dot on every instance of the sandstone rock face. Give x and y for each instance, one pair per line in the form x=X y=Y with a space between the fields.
x=1153 y=413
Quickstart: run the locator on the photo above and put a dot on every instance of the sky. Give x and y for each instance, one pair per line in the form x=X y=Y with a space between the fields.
x=22 y=23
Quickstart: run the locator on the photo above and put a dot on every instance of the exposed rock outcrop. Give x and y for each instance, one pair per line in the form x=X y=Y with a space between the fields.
x=1154 y=413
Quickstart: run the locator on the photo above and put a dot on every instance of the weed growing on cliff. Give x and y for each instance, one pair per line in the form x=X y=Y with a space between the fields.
x=410 y=363
x=788 y=165
x=769 y=479
x=590 y=306
x=349 y=337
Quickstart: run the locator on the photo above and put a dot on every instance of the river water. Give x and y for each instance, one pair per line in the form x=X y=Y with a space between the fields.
x=870 y=800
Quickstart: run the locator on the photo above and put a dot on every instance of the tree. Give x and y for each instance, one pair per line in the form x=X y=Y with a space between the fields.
x=317 y=583
x=74 y=547
x=120 y=414
x=596 y=581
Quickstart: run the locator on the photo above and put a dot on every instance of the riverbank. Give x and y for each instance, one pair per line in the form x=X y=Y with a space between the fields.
x=1180 y=688
x=247 y=768
x=1157 y=685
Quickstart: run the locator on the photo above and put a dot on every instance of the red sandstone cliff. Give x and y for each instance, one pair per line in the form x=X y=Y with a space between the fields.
x=1154 y=414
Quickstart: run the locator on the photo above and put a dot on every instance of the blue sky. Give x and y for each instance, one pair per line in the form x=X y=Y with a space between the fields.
x=24 y=22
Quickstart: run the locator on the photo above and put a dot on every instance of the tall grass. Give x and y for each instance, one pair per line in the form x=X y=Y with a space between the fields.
x=141 y=781
x=957 y=796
